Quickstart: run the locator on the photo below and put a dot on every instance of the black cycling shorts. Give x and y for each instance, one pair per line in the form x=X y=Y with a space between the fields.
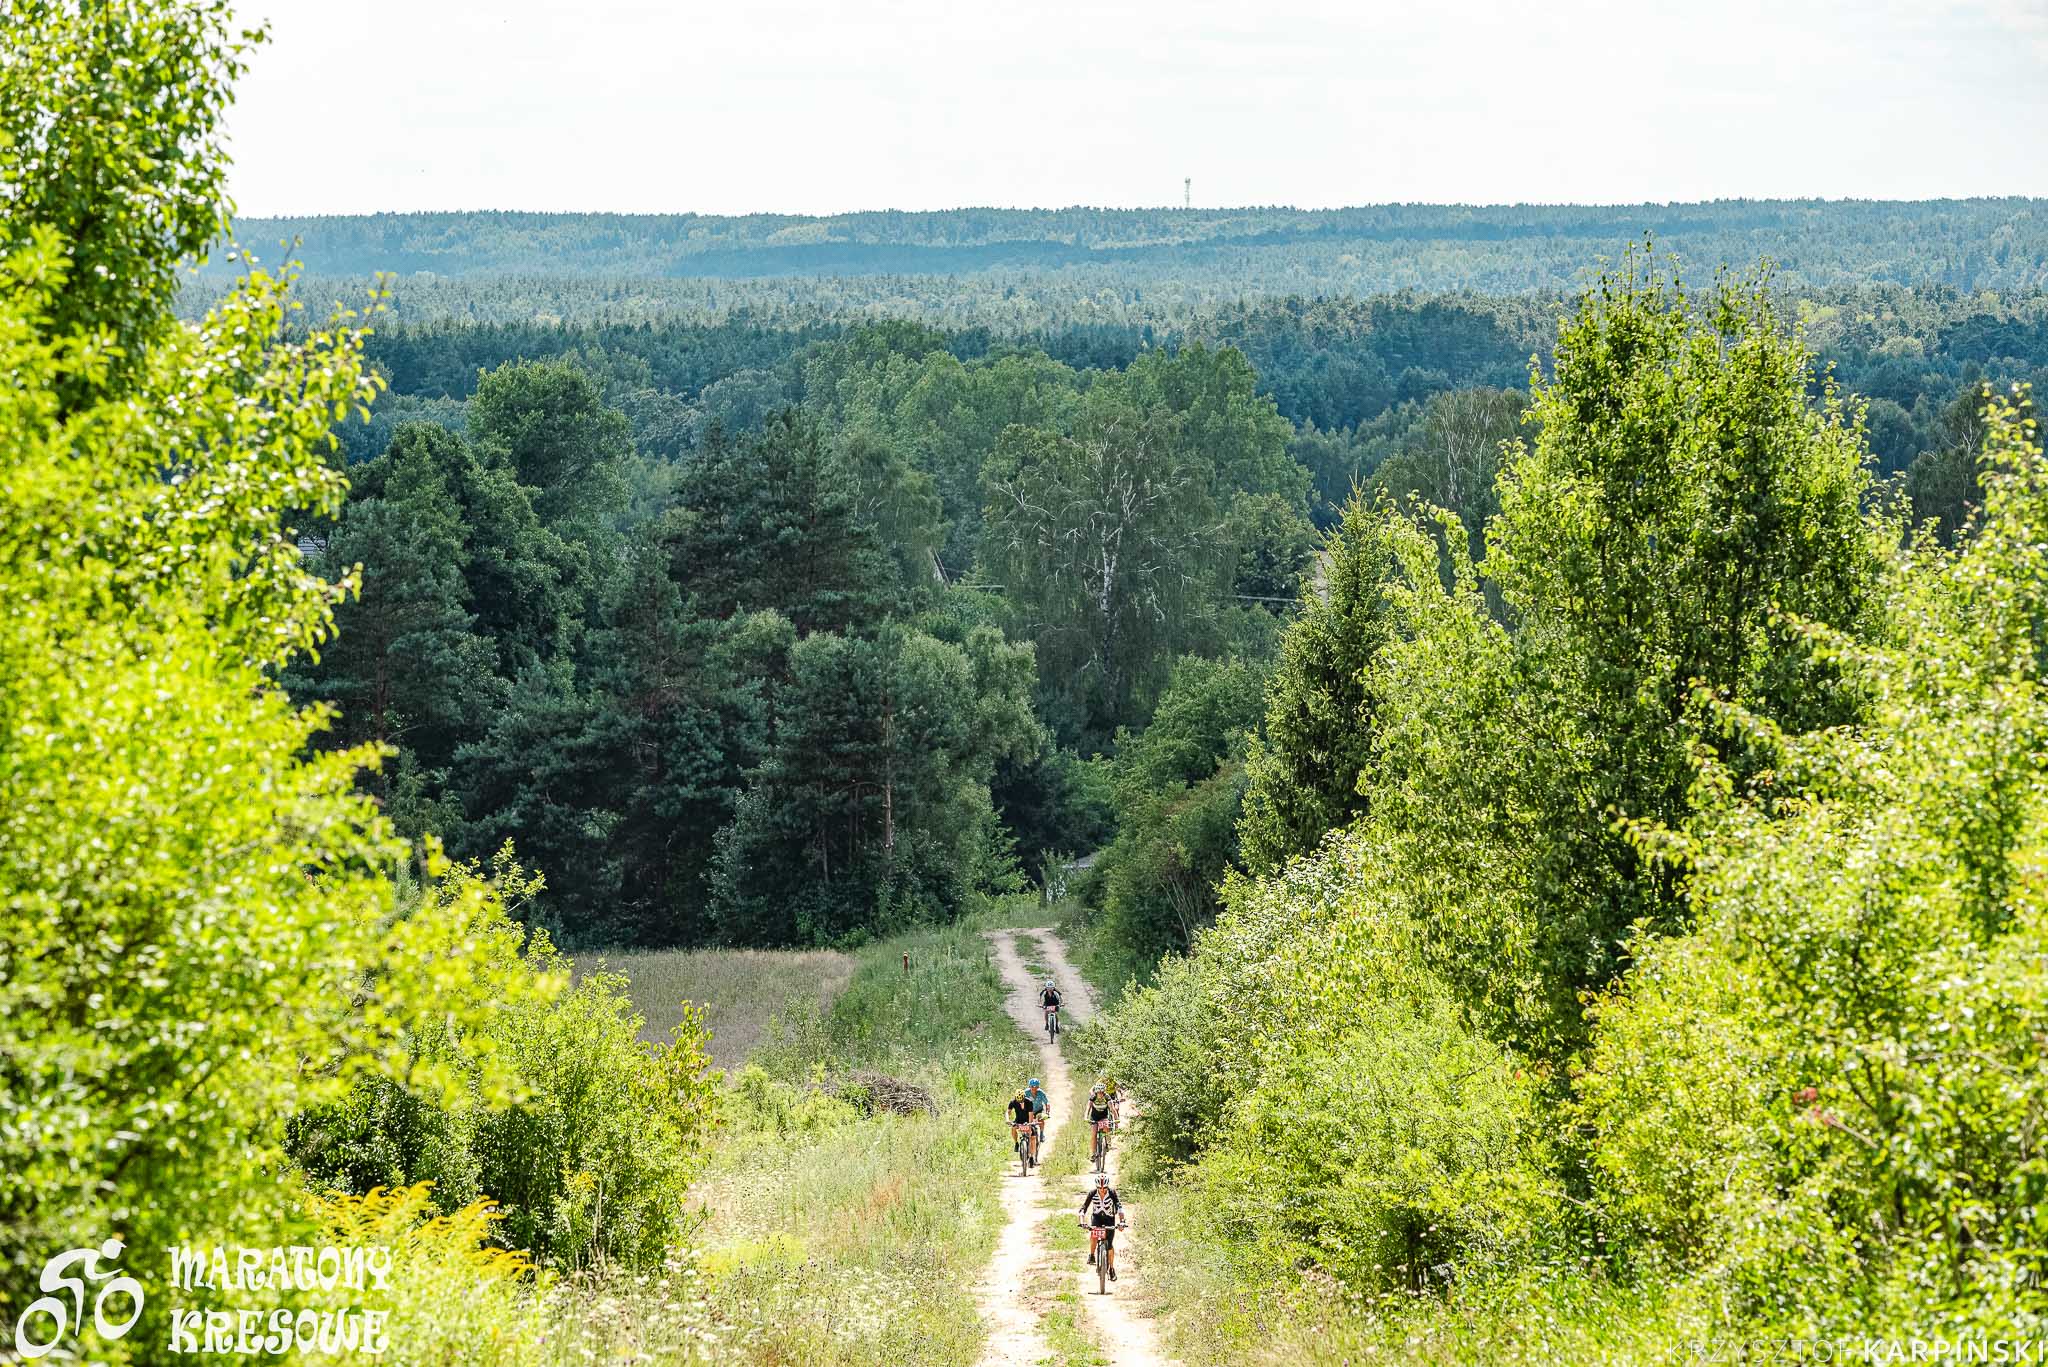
x=1107 y=1223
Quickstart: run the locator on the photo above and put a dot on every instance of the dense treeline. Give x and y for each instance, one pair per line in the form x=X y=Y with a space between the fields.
x=1968 y=244
x=593 y=552
x=836 y=668
x=1353 y=376
x=1630 y=918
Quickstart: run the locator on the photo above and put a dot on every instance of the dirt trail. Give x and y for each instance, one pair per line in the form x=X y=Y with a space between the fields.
x=1019 y=1278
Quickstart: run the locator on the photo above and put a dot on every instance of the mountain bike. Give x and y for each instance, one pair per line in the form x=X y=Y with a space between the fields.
x=1022 y=1134
x=1099 y=1154
x=1052 y=1024
x=1099 y=1255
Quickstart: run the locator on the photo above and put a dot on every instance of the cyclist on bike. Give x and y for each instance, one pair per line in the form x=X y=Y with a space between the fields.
x=1099 y=1104
x=1049 y=998
x=1104 y=1209
x=1116 y=1105
x=1039 y=1101
x=1021 y=1117
x=1099 y=1111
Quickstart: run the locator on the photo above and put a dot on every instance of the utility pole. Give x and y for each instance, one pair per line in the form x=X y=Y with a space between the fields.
x=1187 y=192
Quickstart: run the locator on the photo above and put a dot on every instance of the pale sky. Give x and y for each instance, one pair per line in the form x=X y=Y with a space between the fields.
x=745 y=105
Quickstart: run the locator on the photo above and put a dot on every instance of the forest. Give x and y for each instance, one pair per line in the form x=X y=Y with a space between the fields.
x=1541 y=760
x=1018 y=271
x=603 y=564
x=1967 y=244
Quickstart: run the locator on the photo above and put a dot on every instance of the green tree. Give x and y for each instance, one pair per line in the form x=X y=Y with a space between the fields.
x=1177 y=785
x=1119 y=546
x=174 y=863
x=1942 y=484
x=1451 y=457
x=871 y=807
x=1275 y=546
x=1110 y=552
x=897 y=503
x=774 y=522
x=407 y=670
x=953 y=413
x=110 y=139
x=1226 y=427
x=1823 y=1096
x=1304 y=769
x=550 y=424
x=1682 y=493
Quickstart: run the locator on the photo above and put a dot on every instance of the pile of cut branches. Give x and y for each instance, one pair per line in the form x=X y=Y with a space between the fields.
x=873 y=1092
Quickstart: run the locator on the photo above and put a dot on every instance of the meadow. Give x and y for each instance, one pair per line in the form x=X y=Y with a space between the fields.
x=744 y=993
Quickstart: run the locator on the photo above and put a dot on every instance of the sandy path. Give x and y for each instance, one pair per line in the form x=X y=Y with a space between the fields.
x=1015 y=1283
x=1009 y=1304
x=1126 y=1336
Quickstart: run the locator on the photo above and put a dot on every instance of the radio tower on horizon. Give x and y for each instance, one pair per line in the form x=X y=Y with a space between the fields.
x=1187 y=192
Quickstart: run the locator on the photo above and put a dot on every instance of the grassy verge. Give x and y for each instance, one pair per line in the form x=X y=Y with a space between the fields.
x=1543 y=1315
x=833 y=1237
x=827 y=1235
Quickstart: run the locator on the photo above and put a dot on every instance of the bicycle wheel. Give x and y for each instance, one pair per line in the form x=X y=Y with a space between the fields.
x=1102 y=1268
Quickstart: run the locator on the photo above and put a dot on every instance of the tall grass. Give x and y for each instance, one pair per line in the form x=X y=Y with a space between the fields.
x=822 y=1235
x=1215 y=1312
x=838 y=1238
x=742 y=991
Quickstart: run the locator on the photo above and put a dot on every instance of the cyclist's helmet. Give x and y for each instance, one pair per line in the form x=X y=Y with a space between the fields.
x=1101 y=1179
x=1032 y=1083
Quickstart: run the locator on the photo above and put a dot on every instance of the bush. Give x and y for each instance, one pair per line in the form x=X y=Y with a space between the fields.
x=589 y=1149
x=1339 y=1110
x=453 y=1294
x=594 y=1162
x=1826 y=1095
x=1386 y=1157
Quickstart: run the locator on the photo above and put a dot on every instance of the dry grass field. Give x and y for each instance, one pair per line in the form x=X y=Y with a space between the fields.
x=739 y=989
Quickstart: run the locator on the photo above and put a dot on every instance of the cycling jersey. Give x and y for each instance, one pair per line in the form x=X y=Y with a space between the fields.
x=1049 y=997
x=1102 y=1202
x=1039 y=1101
x=1098 y=1111
x=1103 y=1208
x=1020 y=1111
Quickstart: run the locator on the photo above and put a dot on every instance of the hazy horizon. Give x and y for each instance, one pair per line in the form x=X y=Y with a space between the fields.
x=454 y=210
x=633 y=107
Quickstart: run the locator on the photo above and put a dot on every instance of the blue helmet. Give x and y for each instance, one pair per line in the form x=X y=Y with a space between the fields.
x=1033 y=1082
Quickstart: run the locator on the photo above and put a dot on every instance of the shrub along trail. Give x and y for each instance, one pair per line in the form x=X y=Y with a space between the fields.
x=1013 y=1289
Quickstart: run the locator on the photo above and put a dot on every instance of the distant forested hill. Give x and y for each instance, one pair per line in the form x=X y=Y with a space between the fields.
x=1032 y=268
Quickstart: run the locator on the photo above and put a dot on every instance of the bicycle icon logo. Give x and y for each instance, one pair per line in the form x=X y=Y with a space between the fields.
x=69 y=1319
